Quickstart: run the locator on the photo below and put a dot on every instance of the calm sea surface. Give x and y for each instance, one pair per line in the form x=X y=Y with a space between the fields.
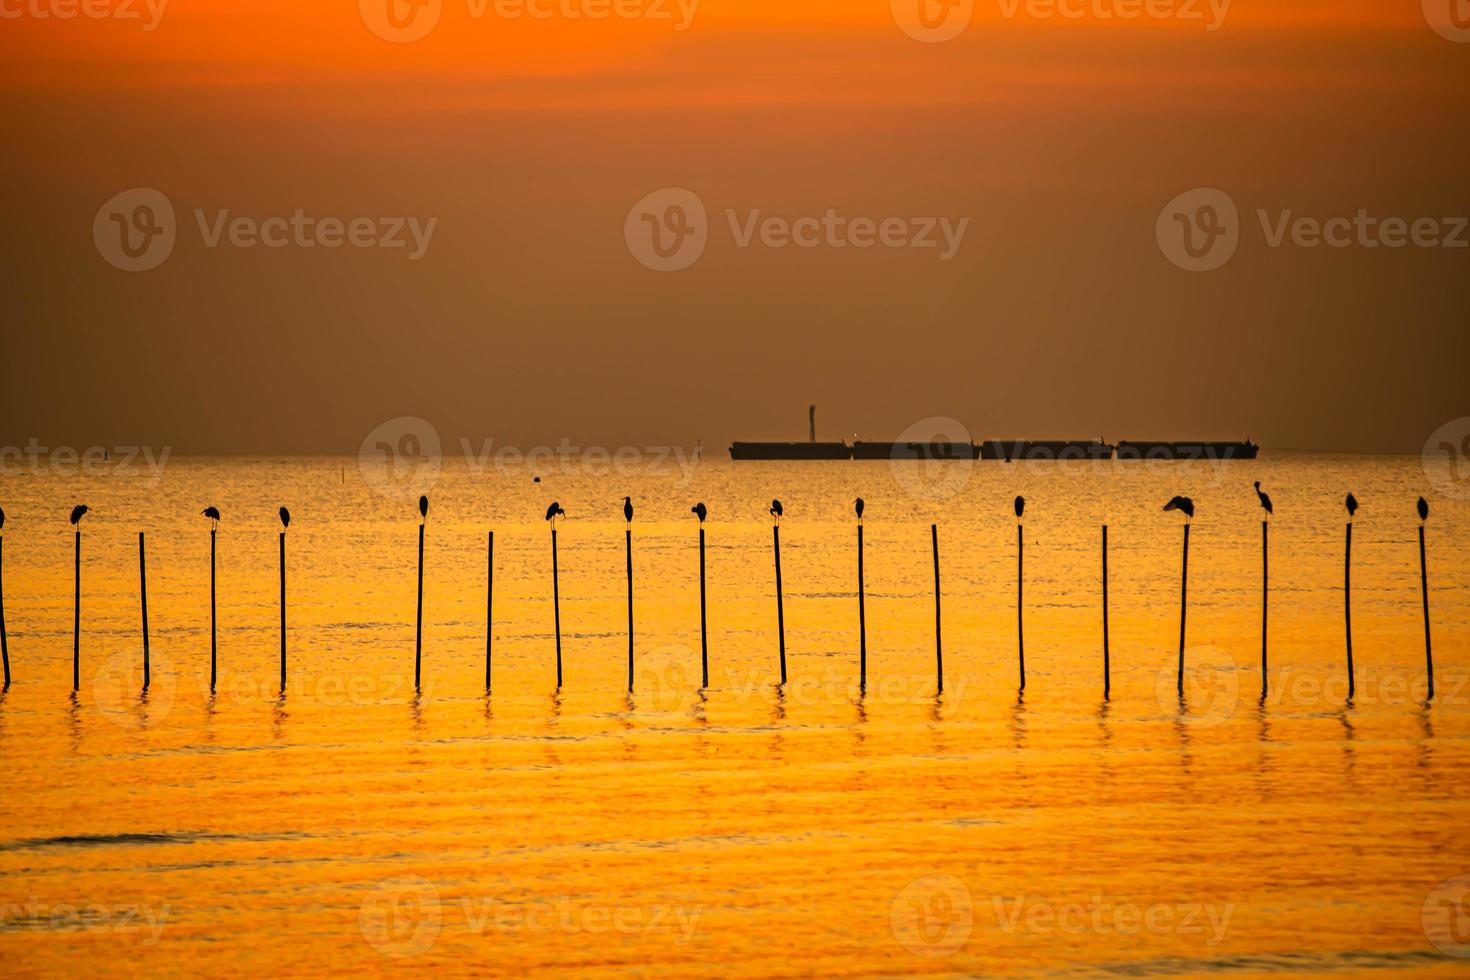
x=746 y=829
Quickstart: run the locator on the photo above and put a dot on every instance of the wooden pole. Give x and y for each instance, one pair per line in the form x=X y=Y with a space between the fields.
x=1347 y=605
x=1424 y=589
x=628 y=537
x=938 y=633
x=862 y=619
x=4 y=640
x=143 y=595
x=76 y=620
x=1020 y=625
x=556 y=604
x=283 y=611
x=1265 y=597
x=1107 y=665
x=703 y=622
x=213 y=629
x=780 y=608
x=490 y=598
x=1183 y=606
x=418 y=638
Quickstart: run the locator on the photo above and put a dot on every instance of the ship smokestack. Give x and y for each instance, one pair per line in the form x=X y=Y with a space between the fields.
x=811 y=419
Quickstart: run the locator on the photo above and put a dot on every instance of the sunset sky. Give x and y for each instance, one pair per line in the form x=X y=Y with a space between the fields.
x=526 y=141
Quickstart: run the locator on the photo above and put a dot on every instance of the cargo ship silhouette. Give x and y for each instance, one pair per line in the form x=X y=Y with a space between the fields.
x=1004 y=450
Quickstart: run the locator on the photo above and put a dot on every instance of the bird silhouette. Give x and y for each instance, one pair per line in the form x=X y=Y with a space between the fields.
x=2 y=518
x=554 y=511
x=857 y=505
x=1352 y=505
x=628 y=509
x=776 y=509
x=1181 y=503
x=1423 y=509
x=212 y=513
x=285 y=517
x=1264 y=498
x=699 y=511
x=1020 y=507
x=424 y=507
x=77 y=512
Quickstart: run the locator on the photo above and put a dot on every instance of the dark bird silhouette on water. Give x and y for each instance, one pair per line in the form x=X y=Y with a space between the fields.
x=1020 y=507
x=857 y=505
x=554 y=511
x=424 y=507
x=1264 y=498
x=78 y=512
x=700 y=511
x=1352 y=505
x=2 y=518
x=285 y=517
x=1183 y=504
x=213 y=514
x=1423 y=509
x=628 y=509
x=776 y=509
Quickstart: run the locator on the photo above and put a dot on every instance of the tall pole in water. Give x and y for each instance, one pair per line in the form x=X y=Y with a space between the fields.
x=4 y=641
x=490 y=598
x=418 y=632
x=938 y=633
x=1424 y=590
x=283 y=610
x=1183 y=605
x=143 y=596
x=780 y=606
x=862 y=618
x=76 y=619
x=556 y=604
x=703 y=622
x=628 y=538
x=1107 y=666
x=1020 y=605
x=213 y=627
x=1265 y=597
x=1347 y=604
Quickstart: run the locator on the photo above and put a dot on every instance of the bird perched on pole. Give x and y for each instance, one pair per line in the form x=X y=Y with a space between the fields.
x=213 y=514
x=285 y=517
x=553 y=512
x=1264 y=498
x=2 y=518
x=1352 y=505
x=777 y=510
x=78 y=512
x=1020 y=507
x=700 y=511
x=424 y=507
x=1182 y=504
x=628 y=509
x=857 y=505
x=1423 y=509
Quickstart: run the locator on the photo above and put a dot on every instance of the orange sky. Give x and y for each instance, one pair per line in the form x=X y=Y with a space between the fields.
x=529 y=140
